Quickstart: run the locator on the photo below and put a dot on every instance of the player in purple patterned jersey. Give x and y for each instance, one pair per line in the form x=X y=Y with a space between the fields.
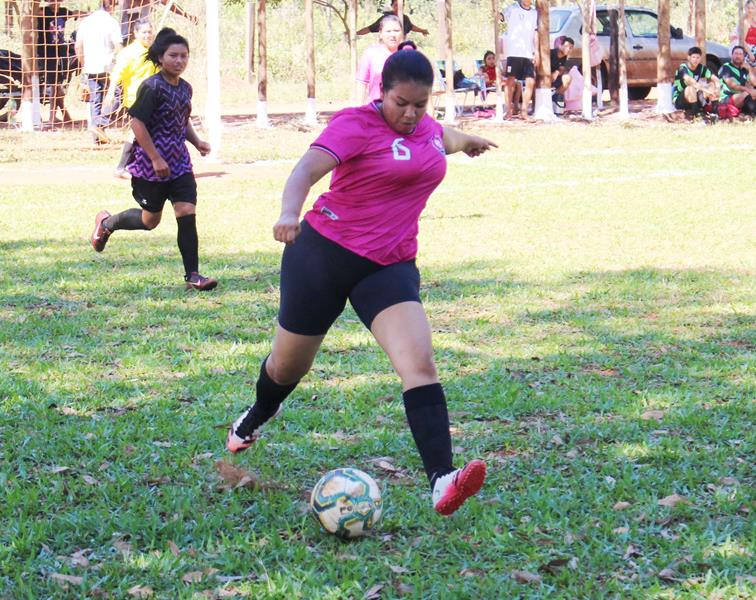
x=160 y=165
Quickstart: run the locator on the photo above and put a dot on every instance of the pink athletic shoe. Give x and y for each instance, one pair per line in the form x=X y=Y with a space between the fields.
x=451 y=490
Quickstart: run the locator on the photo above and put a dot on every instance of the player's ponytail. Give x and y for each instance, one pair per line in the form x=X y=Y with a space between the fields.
x=403 y=67
x=165 y=38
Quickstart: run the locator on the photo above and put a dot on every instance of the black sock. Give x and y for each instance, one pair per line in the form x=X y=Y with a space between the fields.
x=188 y=243
x=429 y=422
x=128 y=219
x=125 y=154
x=749 y=106
x=268 y=398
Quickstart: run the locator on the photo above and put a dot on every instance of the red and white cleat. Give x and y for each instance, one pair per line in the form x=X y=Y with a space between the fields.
x=238 y=443
x=451 y=490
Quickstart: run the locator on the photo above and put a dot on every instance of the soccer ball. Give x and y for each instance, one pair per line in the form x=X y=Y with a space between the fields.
x=346 y=502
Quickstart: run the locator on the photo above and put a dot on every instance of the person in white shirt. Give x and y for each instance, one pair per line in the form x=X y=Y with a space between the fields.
x=98 y=39
x=520 y=41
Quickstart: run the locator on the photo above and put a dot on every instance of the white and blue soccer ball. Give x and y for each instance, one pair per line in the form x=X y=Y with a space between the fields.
x=347 y=502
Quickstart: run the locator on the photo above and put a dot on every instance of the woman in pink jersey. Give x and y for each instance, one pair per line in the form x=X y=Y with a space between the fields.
x=359 y=242
x=371 y=64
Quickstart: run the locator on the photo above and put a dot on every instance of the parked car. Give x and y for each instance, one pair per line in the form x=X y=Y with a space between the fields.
x=641 y=26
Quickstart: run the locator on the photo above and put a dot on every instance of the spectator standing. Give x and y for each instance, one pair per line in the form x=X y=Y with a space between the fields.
x=409 y=26
x=372 y=61
x=133 y=11
x=55 y=54
x=97 y=42
x=695 y=86
x=520 y=41
x=131 y=69
x=737 y=86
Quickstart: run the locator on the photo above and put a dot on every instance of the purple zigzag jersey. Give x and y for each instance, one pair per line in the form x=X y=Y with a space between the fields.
x=166 y=122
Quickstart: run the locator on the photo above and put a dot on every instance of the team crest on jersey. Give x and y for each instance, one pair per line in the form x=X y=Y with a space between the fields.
x=438 y=143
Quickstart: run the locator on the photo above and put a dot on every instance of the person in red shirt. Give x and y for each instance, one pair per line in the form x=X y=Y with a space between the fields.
x=359 y=243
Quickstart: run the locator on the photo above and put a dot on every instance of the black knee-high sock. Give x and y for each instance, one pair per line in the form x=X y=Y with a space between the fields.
x=188 y=243
x=128 y=219
x=125 y=153
x=429 y=422
x=749 y=106
x=268 y=398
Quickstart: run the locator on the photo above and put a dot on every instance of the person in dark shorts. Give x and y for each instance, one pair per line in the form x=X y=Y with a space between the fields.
x=160 y=166
x=560 y=81
x=695 y=86
x=359 y=243
x=57 y=59
x=520 y=41
x=737 y=85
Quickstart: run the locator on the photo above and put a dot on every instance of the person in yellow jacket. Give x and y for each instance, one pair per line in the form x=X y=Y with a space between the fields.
x=131 y=69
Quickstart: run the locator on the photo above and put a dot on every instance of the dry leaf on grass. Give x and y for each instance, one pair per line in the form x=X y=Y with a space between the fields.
x=174 y=548
x=140 y=591
x=572 y=453
x=673 y=500
x=621 y=530
x=554 y=565
x=632 y=552
x=668 y=575
x=728 y=481
x=121 y=546
x=404 y=589
x=467 y=572
x=60 y=470
x=397 y=570
x=88 y=479
x=78 y=558
x=231 y=592
x=621 y=505
x=526 y=577
x=63 y=579
x=235 y=477
x=653 y=414
x=374 y=592
x=192 y=577
x=557 y=440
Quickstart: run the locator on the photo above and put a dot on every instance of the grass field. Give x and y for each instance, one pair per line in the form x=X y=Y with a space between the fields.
x=591 y=291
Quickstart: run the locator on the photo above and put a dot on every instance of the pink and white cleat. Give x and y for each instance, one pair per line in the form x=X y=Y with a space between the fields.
x=237 y=443
x=451 y=490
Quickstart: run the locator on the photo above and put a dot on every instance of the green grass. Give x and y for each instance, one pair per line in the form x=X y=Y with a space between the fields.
x=570 y=292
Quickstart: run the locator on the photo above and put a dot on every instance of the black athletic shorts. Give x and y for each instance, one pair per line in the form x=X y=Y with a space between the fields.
x=520 y=68
x=318 y=276
x=151 y=195
x=682 y=104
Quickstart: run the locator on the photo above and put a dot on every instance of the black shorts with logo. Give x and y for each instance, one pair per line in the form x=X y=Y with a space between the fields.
x=319 y=275
x=520 y=68
x=151 y=195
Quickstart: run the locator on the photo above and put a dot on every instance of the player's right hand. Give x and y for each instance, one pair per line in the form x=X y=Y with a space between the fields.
x=161 y=167
x=287 y=228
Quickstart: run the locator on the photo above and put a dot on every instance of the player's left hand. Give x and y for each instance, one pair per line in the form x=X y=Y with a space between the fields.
x=203 y=147
x=476 y=146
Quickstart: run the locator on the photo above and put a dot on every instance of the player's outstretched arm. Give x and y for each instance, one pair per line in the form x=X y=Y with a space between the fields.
x=310 y=169
x=472 y=145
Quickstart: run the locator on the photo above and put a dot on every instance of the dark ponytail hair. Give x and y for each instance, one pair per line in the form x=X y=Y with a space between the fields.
x=166 y=37
x=402 y=67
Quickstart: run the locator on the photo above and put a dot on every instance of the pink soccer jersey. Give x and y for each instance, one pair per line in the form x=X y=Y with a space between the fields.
x=381 y=184
x=370 y=69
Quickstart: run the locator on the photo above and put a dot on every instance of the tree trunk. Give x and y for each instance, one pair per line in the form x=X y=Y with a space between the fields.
x=664 y=61
x=613 y=55
x=445 y=24
x=250 y=46
x=544 y=109
x=353 y=50
x=691 y=14
x=622 y=42
x=310 y=113
x=262 y=66
x=585 y=54
x=497 y=43
x=701 y=26
x=400 y=14
x=29 y=79
x=741 y=32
